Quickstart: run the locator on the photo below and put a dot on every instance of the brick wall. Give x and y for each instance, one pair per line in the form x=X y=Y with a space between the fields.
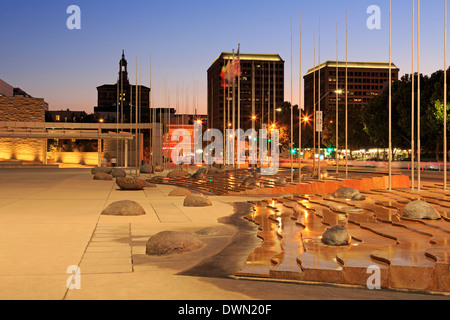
x=26 y=110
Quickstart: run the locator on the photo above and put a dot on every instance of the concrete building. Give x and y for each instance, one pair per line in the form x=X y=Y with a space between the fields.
x=268 y=93
x=365 y=80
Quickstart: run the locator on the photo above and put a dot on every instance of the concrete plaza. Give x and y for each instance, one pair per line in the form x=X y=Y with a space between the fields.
x=50 y=219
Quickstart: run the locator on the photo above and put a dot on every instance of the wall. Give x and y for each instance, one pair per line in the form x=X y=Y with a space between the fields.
x=27 y=110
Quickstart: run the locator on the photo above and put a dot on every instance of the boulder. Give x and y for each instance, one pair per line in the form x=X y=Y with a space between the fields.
x=281 y=181
x=146 y=168
x=202 y=170
x=124 y=208
x=194 y=200
x=130 y=183
x=308 y=169
x=180 y=192
x=198 y=175
x=348 y=193
x=250 y=182
x=172 y=242
x=336 y=236
x=101 y=169
x=177 y=173
x=102 y=176
x=116 y=173
x=420 y=210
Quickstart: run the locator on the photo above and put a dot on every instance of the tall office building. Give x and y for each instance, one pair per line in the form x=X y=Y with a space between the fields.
x=268 y=90
x=365 y=80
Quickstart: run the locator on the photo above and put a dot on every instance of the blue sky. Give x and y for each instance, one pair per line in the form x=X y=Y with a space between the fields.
x=43 y=57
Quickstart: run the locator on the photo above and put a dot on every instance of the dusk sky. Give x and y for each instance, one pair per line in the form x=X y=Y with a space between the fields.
x=43 y=57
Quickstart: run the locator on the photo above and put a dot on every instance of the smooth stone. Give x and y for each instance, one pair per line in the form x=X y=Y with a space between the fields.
x=130 y=183
x=281 y=181
x=250 y=182
x=336 y=236
x=177 y=173
x=101 y=169
x=146 y=168
x=194 y=200
x=124 y=208
x=172 y=242
x=348 y=193
x=179 y=192
x=102 y=176
x=420 y=210
x=116 y=173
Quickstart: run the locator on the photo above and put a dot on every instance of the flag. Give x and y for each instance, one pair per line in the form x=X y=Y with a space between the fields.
x=229 y=72
x=222 y=76
x=237 y=65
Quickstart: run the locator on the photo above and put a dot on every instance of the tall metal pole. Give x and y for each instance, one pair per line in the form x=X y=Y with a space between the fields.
x=292 y=120
x=318 y=135
x=413 y=76
x=445 y=100
x=419 y=149
x=390 y=100
x=314 y=105
x=346 y=96
x=239 y=101
x=300 y=110
x=337 y=102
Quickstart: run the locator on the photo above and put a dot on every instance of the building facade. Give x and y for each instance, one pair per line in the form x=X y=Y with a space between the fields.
x=119 y=100
x=22 y=109
x=268 y=90
x=365 y=80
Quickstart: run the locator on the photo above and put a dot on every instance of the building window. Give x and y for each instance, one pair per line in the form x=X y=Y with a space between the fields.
x=57 y=117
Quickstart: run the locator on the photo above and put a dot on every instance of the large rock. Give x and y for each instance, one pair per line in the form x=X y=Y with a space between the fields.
x=130 y=183
x=198 y=175
x=420 y=210
x=202 y=170
x=102 y=176
x=195 y=200
x=116 y=173
x=177 y=173
x=180 y=192
x=146 y=168
x=250 y=182
x=281 y=181
x=171 y=242
x=336 y=236
x=101 y=169
x=124 y=208
x=348 y=193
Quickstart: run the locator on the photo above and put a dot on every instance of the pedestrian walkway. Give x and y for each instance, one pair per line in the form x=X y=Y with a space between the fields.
x=50 y=221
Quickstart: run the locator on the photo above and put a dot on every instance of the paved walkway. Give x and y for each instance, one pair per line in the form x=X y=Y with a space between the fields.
x=50 y=220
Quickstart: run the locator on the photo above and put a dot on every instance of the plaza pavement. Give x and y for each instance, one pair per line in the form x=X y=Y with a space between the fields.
x=51 y=219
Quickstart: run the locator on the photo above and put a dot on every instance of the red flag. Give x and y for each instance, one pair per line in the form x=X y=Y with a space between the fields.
x=222 y=75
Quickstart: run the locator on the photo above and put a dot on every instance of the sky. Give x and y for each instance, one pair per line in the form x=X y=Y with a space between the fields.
x=182 y=38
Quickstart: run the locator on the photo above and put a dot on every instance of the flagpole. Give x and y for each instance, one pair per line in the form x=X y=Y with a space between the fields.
x=412 y=100
x=274 y=95
x=292 y=120
x=390 y=97
x=337 y=103
x=239 y=103
x=445 y=99
x=253 y=99
x=318 y=135
x=418 y=98
x=150 y=152
x=300 y=110
x=346 y=95
x=314 y=105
